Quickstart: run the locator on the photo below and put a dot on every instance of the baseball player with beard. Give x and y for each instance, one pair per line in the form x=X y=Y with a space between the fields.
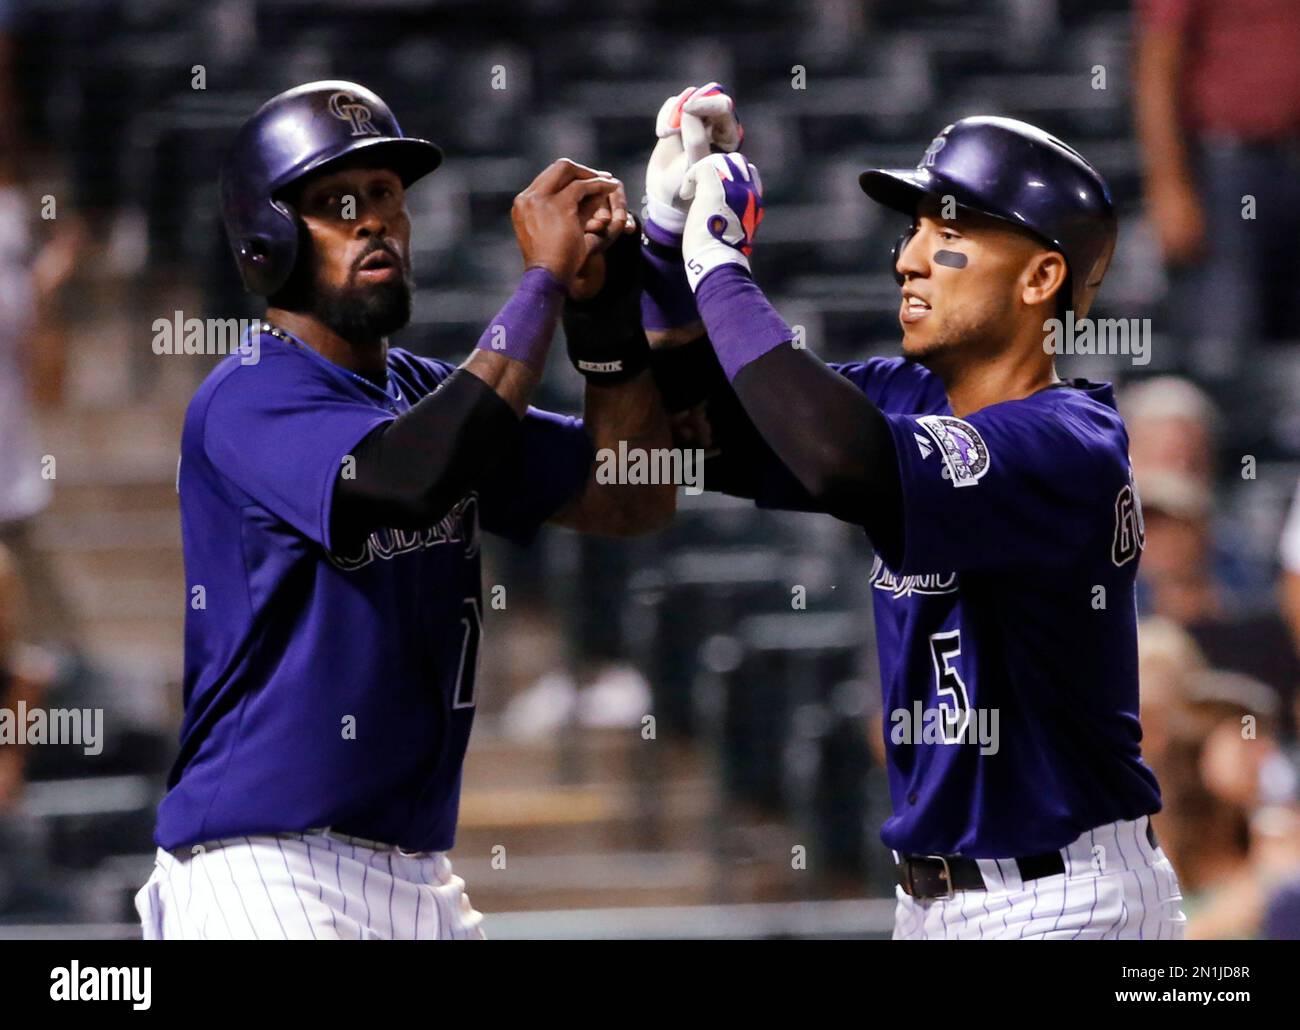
x=331 y=497
x=996 y=496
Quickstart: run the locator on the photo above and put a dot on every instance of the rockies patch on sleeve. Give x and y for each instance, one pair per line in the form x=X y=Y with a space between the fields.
x=965 y=455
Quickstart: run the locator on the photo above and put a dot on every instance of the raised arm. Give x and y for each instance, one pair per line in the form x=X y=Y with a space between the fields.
x=623 y=408
x=829 y=435
x=409 y=471
x=702 y=408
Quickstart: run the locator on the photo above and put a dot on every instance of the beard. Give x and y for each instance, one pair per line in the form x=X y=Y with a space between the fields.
x=359 y=314
x=364 y=314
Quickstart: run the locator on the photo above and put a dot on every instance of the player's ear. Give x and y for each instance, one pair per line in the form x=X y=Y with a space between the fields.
x=1043 y=279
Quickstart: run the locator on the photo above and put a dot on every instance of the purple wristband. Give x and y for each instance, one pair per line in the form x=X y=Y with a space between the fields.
x=741 y=323
x=523 y=329
x=666 y=298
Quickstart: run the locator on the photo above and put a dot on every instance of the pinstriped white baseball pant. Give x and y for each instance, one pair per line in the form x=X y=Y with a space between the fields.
x=1115 y=887
x=304 y=886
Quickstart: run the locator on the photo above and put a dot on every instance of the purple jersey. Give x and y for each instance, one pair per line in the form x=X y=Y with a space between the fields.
x=1007 y=627
x=323 y=688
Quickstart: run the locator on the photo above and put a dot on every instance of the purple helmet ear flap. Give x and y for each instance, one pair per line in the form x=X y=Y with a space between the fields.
x=265 y=261
x=897 y=252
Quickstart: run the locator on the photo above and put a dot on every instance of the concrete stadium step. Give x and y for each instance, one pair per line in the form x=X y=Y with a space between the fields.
x=113 y=445
x=496 y=762
x=126 y=642
x=118 y=571
x=541 y=881
x=116 y=553
x=588 y=818
x=93 y=534
x=130 y=497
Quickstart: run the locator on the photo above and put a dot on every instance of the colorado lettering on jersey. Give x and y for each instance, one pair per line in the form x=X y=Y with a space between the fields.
x=902 y=586
x=458 y=526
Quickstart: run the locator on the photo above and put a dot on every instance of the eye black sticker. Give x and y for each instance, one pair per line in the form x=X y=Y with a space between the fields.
x=950 y=258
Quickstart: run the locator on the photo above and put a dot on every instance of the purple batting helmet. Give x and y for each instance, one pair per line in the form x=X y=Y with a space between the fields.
x=301 y=131
x=1019 y=174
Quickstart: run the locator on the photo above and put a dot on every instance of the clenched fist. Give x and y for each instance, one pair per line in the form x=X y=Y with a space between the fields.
x=550 y=216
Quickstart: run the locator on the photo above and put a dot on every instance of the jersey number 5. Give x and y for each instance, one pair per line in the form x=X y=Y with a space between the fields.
x=471 y=624
x=948 y=685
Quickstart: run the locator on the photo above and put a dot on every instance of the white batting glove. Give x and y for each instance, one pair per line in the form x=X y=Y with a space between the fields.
x=726 y=197
x=689 y=126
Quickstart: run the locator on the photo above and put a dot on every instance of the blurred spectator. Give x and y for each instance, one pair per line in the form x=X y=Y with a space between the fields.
x=25 y=286
x=1173 y=427
x=1248 y=773
x=1176 y=441
x=1198 y=837
x=1277 y=831
x=1229 y=824
x=1282 y=916
x=1289 y=553
x=14 y=686
x=1185 y=704
x=1217 y=94
x=26 y=674
x=1176 y=572
x=1168 y=659
x=1191 y=570
x=28 y=887
x=31 y=274
x=1177 y=577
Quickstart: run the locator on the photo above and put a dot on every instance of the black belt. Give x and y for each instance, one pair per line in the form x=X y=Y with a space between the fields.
x=940 y=876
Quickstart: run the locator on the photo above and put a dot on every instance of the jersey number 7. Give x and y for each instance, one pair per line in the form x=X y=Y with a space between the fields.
x=948 y=685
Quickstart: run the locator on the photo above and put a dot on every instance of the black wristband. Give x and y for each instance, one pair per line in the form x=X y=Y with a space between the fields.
x=661 y=250
x=603 y=334
x=688 y=374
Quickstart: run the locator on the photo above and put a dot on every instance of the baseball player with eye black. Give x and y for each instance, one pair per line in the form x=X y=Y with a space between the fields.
x=997 y=499
x=331 y=497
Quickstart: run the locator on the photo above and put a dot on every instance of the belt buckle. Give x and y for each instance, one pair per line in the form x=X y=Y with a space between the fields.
x=908 y=878
x=947 y=875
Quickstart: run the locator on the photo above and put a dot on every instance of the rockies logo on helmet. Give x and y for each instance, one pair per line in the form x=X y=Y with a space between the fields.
x=346 y=108
x=932 y=151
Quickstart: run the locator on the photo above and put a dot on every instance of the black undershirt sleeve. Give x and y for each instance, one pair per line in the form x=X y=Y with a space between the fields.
x=833 y=440
x=410 y=472
x=742 y=463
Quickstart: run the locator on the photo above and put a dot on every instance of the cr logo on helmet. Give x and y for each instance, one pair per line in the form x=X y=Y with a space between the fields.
x=345 y=108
